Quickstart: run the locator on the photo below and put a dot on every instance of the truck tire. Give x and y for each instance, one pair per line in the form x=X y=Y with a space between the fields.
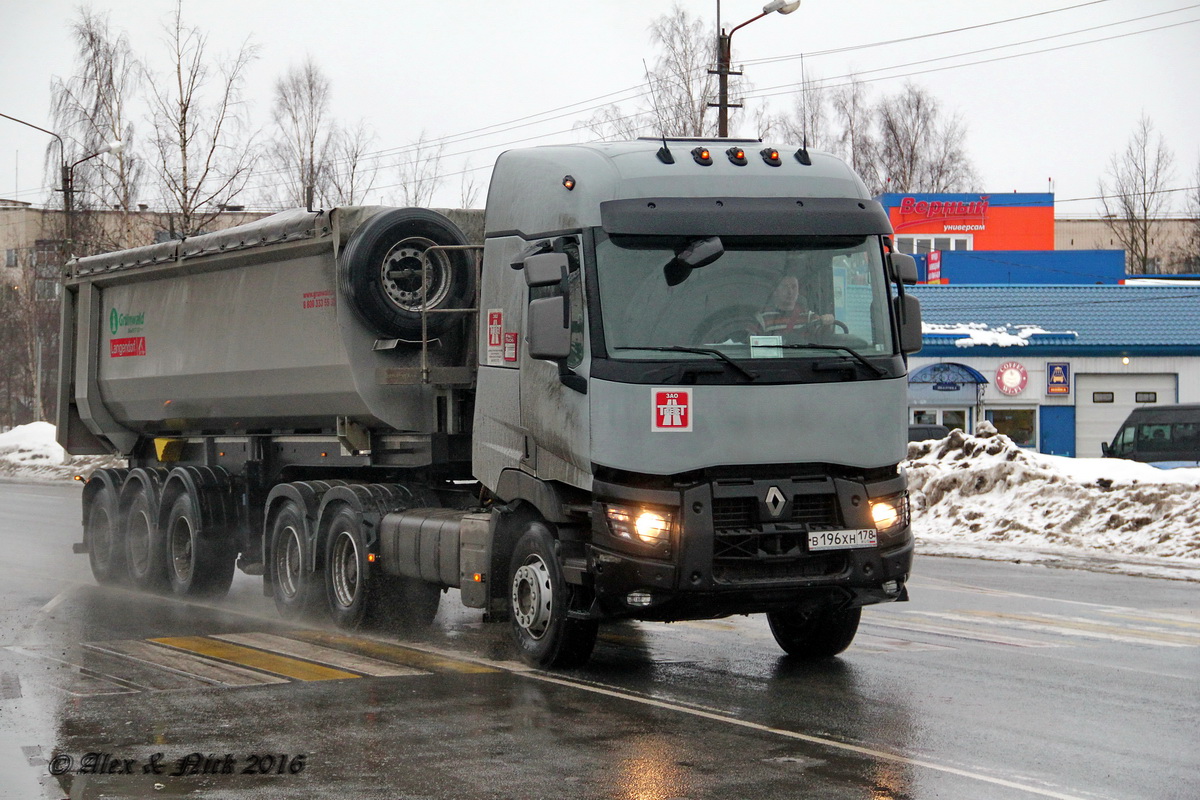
x=404 y=605
x=380 y=272
x=296 y=588
x=348 y=587
x=145 y=549
x=814 y=635
x=545 y=635
x=102 y=531
x=200 y=562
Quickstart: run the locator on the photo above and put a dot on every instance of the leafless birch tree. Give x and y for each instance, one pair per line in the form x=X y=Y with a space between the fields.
x=204 y=154
x=419 y=168
x=1132 y=193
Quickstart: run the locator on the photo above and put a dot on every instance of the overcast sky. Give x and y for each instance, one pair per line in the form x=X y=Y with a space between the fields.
x=481 y=71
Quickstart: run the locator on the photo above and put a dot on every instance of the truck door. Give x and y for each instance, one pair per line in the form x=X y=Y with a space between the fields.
x=554 y=401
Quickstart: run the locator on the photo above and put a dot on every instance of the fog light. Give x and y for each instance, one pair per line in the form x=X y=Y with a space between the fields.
x=891 y=587
x=639 y=598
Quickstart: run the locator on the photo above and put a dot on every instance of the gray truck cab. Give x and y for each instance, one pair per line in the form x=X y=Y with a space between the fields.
x=639 y=360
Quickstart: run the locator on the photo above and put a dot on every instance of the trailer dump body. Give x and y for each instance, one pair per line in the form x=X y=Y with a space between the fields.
x=669 y=383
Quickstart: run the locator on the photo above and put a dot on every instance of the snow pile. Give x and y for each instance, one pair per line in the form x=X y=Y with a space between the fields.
x=977 y=494
x=970 y=334
x=29 y=452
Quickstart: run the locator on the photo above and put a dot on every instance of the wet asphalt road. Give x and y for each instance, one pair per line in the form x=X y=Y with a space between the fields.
x=996 y=681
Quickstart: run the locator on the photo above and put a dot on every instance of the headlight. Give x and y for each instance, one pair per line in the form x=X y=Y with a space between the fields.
x=890 y=514
x=639 y=524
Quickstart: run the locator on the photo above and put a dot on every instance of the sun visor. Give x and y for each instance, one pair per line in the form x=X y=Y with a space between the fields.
x=744 y=216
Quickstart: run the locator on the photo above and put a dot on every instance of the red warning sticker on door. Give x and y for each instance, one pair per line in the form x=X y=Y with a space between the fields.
x=673 y=409
x=510 y=345
x=130 y=346
x=495 y=336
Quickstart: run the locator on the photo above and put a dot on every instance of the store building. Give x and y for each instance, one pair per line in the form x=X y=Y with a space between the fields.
x=1055 y=368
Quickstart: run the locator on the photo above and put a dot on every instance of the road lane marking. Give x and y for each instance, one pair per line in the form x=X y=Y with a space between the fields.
x=320 y=654
x=820 y=741
x=423 y=659
x=78 y=681
x=205 y=671
x=1071 y=626
x=953 y=631
x=1174 y=620
x=258 y=659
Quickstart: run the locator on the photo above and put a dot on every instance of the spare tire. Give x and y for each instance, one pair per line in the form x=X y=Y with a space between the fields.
x=380 y=272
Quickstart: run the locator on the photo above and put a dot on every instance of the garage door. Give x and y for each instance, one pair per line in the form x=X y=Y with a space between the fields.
x=1104 y=401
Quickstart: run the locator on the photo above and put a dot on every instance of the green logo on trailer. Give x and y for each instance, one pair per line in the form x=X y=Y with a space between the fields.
x=113 y=322
x=117 y=320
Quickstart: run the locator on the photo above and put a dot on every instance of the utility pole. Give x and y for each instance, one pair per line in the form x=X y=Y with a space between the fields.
x=725 y=56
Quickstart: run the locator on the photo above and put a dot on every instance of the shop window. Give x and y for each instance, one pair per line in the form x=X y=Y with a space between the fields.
x=1018 y=424
x=1102 y=397
x=921 y=416
x=925 y=244
x=1146 y=397
x=954 y=418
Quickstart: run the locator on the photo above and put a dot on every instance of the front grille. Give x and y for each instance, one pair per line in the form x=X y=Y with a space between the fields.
x=751 y=546
x=741 y=513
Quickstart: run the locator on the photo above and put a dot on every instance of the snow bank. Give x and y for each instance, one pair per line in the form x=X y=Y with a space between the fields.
x=978 y=494
x=29 y=452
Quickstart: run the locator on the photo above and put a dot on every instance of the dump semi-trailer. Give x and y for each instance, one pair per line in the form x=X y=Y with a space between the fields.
x=670 y=384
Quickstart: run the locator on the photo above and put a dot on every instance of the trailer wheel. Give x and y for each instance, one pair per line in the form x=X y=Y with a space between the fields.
x=295 y=585
x=347 y=583
x=814 y=635
x=545 y=635
x=380 y=272
x=106 y=552
x=144 y=546
x=199 y=562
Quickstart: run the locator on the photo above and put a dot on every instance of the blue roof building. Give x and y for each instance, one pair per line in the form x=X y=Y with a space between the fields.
x=1057 y=368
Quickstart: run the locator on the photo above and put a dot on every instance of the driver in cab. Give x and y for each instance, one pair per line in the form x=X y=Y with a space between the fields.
x=787 y=313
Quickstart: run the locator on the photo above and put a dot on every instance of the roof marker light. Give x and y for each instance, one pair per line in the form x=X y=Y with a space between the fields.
x=771 y=157
x=737 y=156
x=569 y=182
x=702 y=156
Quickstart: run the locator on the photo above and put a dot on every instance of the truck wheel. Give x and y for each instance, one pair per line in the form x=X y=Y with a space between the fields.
x=199 y=563
x=347 y=584
x=814 y=635
x=144 y=547
x=545 y=635
x=294 y=585
x=380 y=272
x=106 y=552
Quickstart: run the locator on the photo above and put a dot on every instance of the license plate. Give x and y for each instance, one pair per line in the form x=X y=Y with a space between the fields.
x=841 y=540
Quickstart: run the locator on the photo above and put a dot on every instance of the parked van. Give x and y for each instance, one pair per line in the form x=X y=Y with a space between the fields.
x=1165 y=436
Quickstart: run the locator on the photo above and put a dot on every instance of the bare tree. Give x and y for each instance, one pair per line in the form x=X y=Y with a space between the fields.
x=855 y=140
x=1132 y=193
x=809 y=122
x=204 y=158
x=1191 y=257
x=419 y=169
x=350 y=173
x=680 y=86
x=90 y=110
x=304 y=136
x=469 y=186
x=916 y=151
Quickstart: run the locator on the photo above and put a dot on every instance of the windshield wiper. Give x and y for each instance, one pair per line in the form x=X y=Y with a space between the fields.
x=750 y=376
x=858 y=357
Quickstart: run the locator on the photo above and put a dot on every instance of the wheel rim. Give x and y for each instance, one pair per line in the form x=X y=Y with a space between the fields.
x=533 y=597
x=181 y=549
x=102 y=536
x=345 y=570
x=139 y=542
x=401 y=275
x=288 y=563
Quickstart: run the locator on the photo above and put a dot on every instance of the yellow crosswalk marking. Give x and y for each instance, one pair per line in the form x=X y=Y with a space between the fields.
x=390 y=652
x=258 y=659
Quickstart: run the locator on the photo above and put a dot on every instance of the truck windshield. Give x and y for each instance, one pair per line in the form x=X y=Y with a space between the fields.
x=764 y=297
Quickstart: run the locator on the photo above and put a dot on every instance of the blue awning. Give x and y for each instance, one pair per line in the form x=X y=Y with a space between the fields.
x=947 y=372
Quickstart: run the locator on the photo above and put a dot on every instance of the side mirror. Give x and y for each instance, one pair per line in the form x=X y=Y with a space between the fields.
x=904 y=268
x=545 y=269
x=908 y=315
x=549 y=328
x=1106 y=450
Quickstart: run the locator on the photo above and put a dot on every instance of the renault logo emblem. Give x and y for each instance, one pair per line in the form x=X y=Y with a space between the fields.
x=775 y=501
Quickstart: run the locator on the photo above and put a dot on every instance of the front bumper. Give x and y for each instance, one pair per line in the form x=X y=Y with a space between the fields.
x=739 y=551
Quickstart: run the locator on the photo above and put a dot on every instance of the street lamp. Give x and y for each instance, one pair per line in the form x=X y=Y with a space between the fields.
x=68 y=178
x=724 y=56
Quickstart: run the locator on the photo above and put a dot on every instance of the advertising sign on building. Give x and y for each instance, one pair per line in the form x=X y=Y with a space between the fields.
x=1058 y=377
x=1011 y=378
x=933 y=273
